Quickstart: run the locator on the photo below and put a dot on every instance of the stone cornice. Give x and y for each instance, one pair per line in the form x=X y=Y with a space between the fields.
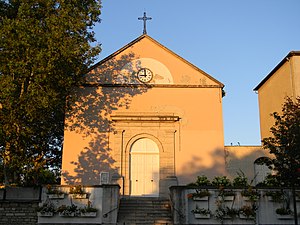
x=151 y=85
x=145 y=117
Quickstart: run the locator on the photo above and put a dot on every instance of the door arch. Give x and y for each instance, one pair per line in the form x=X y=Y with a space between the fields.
x=144 y=168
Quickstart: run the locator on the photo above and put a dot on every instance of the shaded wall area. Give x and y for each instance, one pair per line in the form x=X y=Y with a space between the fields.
x=226 y=161
x=18 y=205
x=242 y=158
x=21 y=213
x=197 y=165
x=87 y=151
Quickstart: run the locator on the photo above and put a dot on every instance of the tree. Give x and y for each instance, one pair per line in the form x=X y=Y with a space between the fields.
x=284 y=143
x=45 y=48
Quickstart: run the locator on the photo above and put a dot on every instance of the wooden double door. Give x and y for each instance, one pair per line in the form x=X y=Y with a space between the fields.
x=144 y=168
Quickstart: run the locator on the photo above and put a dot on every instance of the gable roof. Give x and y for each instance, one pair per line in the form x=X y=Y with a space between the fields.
x=160 y=45
x=292 y=53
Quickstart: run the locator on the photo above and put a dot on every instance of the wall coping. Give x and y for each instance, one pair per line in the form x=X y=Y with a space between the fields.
x=231 y=188
x=20 y=194
x=33 y=194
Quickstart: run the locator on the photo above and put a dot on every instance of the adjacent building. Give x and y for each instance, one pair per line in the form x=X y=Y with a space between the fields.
x=283 y=81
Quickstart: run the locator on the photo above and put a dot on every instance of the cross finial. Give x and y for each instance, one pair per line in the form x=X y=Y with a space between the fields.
x=145 y=18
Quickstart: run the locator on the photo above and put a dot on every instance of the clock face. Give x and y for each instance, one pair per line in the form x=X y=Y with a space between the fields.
x=145 y=75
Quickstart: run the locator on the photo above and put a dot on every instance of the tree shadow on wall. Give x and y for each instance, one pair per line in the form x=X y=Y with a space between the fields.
x=225 y=163
x=109 y=87
x=195 y=167
x=235 y=163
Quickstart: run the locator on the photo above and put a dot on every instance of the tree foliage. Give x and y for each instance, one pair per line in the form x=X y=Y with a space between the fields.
x=45 y=47
x=284 y=143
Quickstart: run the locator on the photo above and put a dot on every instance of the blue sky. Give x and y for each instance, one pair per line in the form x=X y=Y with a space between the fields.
x=238 y=42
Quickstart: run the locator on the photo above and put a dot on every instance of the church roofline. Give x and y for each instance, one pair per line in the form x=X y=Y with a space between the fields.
x=162 y=46
x=117 y=52
x=289 y=55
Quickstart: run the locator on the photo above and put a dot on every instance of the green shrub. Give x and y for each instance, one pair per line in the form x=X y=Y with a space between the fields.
x=221 y=182
x=240 y=180
x=202 y=181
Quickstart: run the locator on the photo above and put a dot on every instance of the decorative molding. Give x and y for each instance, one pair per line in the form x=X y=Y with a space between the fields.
x=145 y=117
x=97 y=84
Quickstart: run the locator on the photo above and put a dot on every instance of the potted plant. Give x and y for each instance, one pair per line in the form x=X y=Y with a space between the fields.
x=225 y=212
x=226 y=195
x=47 y=209
x=77 y=192
x=240 y=181
x=222 y=182
x=231 y=213
x=88 y=211
x=275 y=196
x=250 y=194
x=201 y=213
x=202 y=181
x=284 y=213
x=247 y=212
x=67 y=211
x=201 y=195
x=54 y=193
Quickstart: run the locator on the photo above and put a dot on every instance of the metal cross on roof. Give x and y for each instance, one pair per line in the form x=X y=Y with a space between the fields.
x=145 y=18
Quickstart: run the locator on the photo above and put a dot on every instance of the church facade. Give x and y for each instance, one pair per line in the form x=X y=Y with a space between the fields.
x=144 y=118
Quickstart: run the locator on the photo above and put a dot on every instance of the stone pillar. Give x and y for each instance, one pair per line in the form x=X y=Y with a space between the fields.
x=110 y=204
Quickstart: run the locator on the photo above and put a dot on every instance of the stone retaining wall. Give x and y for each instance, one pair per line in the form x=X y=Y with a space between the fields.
x=213 y=208
x=18 y=213
x=18 y=205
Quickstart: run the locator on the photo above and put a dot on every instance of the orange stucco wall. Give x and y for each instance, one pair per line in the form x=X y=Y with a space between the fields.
x=199 y=133
x=94 y=142
x=296 y=75
x=284 y=82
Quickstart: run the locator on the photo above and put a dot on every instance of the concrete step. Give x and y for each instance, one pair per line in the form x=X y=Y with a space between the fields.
x=152 y=222
x=139 y=219
x=144 y=211
x=154 y=215
x=144 y=203
x=141 y=209
x=146 y=215
x=145 y=223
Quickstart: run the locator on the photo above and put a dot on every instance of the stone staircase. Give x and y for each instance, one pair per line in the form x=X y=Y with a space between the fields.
x=144 y=211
